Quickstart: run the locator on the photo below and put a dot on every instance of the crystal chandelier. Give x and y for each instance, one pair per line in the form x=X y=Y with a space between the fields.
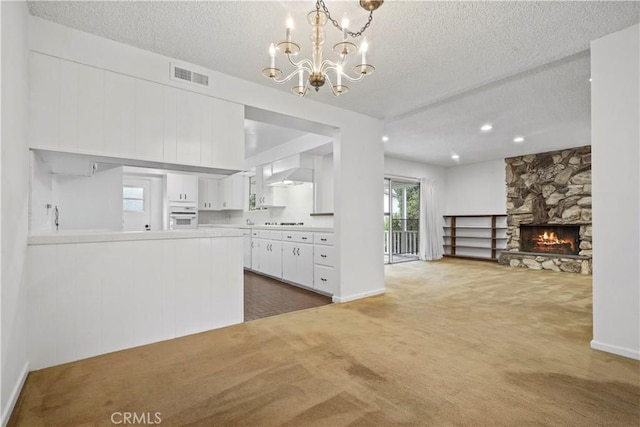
x=316 y=71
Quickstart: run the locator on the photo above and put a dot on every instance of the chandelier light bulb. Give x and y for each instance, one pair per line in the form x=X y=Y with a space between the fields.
x=272 y=53
x=339 y=75
x=289 y=28
x=363 y=49
x=345 y=26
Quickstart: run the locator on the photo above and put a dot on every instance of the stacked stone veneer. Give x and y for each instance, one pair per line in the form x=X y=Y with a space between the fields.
x=549 y=188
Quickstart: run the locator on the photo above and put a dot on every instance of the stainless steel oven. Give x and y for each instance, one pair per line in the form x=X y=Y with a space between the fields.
x=183 y=217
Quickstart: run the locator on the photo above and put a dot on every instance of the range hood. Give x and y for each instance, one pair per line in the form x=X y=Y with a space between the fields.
x=291 y=170
x=290 y=177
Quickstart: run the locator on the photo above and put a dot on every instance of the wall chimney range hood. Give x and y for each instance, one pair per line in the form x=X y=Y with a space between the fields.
x=292 y=170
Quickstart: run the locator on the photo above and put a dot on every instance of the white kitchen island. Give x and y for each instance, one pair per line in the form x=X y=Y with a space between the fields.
x=91 y=293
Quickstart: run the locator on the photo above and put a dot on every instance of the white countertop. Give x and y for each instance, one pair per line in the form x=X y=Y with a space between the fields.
x=270 y=227
x=89 y=236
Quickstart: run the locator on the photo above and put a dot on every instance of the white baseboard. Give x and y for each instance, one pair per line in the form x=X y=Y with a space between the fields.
x=359 y=296
x=15 y=393
x=621 y=351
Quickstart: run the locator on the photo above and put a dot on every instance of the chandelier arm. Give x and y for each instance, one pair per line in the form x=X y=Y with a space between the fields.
x=320 y=3
x=333 y=91
x=302 y=62
x=290 y=76
x=353 y=79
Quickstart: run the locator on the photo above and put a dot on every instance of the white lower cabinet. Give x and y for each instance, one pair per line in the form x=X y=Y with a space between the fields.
x=297 y=263
x=246 y=247
x=269 y=250
x=324 y=274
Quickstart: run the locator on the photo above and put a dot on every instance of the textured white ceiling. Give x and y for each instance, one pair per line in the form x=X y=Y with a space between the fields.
x=440 y=65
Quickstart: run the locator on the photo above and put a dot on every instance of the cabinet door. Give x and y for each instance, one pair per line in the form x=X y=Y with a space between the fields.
x=188 y=127
x=43 y=101
x=275 y=259
x=265 y=250
x=207 y=135
x=246 y=244
x=228 y=131
x=305 y=264
x=90 y=109
x=174 y=187
x=213 y=194
x=289 y=262
x=255 y=254
x=68 y=124
x=203 y=194
x=149 y=116
x=190 y=188
x=170 y=98
x=119 y=115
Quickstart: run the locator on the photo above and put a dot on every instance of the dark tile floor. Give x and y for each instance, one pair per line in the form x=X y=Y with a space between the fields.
x=264 y=297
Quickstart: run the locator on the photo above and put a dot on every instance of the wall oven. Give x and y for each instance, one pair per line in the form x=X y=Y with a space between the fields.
x=183 y=217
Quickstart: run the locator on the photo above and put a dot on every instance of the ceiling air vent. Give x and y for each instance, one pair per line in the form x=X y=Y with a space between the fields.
x=184 y=75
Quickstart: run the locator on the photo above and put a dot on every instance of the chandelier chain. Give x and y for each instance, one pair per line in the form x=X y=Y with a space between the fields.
x=320 y=3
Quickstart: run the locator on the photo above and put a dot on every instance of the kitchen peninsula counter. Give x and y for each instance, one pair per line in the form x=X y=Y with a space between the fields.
x=94 y=236
x=269 y=227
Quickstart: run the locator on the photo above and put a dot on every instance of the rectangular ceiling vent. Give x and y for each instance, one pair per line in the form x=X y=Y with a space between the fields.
x=184 y=75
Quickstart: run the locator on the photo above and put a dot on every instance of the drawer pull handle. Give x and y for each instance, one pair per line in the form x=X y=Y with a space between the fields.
x=323 y=255
x=323 y=240
x=288 y=237
x=323 y=279
x=304 y=238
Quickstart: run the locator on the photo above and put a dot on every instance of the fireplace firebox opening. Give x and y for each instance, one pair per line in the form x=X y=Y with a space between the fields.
x=550 y=239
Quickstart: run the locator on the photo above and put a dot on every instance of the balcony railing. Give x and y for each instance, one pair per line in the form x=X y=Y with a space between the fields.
x=401 y=242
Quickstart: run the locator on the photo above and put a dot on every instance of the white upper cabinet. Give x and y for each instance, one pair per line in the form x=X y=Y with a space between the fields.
x=232 y=192
x=44 y=102
x=228 y=135
x=208 y=194
x=188 y=127
x=149 y=120
x=267 y=196
x=83 y=109
x=170 y=96
x=119 y=115
x=91 y=110
x=182 y=187
x=68 y=106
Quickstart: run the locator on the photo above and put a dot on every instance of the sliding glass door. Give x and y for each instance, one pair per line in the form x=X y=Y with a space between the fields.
x=401 y=220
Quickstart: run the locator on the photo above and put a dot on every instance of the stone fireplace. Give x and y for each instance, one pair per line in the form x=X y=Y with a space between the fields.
x=549 y=211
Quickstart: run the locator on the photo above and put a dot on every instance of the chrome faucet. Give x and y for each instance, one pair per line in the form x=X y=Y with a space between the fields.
x=249 y=222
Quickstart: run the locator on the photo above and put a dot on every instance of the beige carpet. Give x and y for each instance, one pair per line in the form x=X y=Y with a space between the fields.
x=452 y=343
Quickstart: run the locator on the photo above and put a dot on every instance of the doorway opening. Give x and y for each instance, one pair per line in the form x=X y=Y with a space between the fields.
x=401 y=220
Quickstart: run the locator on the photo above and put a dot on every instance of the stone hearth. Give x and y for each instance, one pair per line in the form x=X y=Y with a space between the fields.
x=549 y=188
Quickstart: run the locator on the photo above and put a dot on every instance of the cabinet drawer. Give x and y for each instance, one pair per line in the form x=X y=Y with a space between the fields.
x=323 y=255
x=324 y=279
x=275 y=235
x=297 y=236
x=323 y=238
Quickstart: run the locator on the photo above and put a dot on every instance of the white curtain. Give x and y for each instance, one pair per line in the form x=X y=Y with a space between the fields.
x=431 y=222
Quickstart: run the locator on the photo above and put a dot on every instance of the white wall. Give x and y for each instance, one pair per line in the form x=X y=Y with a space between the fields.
x=476 y=189
x=89 y=202
x=357 y=197
x=14 y=191
x=615 y=134
x=87 y=299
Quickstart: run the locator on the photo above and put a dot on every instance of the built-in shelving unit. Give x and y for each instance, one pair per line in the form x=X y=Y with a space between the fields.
x=475 y=236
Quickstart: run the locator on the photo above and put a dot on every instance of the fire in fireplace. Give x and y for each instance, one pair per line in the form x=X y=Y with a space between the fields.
x=554 y=239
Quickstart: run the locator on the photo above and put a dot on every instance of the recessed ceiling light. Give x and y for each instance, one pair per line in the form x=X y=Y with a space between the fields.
x=486 y=128
x=385 y=138
x=454 y=156
x=590 y=79
x=518 y=139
